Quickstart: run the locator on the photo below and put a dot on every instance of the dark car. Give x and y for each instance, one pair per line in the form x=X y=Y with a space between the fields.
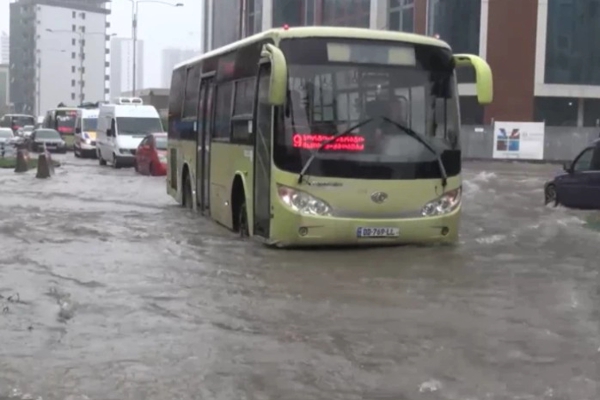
x=579 y=186
x=48 y=137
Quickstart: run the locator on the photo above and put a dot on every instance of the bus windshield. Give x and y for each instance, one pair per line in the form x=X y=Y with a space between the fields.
x=138 y=126
x=90 y=124
x=334 y=85
x=65 y=121
x=22 y=120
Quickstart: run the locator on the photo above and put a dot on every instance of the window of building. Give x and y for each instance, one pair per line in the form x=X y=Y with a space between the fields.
x=471 y=112
x=74 y=42
x=74 y=27
x=72 y=96
x=222 y=126
x=402 y=15
x=74 y=14
x=556 y=111
x=457 y=22
x=73 y=83
x=73 y=55
x=591 y=112
x=354 y=13
x=82 y=15
x=289 y=12
x=73 y=69
x=253 y=17
x=572 y=42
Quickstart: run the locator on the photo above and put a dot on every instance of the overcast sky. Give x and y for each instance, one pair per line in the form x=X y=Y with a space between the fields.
x=159 y=26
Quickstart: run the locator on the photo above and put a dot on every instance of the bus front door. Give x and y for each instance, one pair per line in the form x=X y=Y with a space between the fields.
x=205 y=114
x=263 y=124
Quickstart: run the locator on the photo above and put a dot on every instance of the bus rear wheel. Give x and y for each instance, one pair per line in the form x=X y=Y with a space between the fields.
x=187 y=192
x=244 y=229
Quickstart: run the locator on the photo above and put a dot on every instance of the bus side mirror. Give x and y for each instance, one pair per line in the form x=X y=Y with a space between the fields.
x=108 y=132
x=77 y=130
x=483 y=75
x=278 y=81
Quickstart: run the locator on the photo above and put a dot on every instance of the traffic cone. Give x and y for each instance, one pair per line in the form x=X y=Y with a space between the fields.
x=22 y=164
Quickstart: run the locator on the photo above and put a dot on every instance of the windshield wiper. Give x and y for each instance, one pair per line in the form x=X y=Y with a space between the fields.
x=425 y=143
x=325 y=143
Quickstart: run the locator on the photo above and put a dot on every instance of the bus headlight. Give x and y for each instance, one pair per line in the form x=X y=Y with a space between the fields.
x=444 y=204
x=303 y=202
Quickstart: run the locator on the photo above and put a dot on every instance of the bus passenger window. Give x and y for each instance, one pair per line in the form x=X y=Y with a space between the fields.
x=222 y=125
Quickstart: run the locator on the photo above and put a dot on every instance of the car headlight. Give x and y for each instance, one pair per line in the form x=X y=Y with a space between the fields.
x=303 y=202
x=444 y=204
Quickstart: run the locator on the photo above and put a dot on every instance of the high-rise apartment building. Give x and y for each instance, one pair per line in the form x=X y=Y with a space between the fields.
x=170 y=58
x=543 y=53
x=121 y=66
x=58 y=53
x=4 y=48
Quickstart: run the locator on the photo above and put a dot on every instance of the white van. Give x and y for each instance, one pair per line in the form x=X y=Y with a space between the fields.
x=121 y=128
x=86 y=127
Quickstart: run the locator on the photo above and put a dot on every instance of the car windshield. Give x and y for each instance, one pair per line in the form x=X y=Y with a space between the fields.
x=334 y=85
x=90 y=124
x=136 y=126
x=161 y=142
x=47 y=134
x=5 y=134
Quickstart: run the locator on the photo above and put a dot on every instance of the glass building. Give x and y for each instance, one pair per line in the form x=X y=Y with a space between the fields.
x=547 y=71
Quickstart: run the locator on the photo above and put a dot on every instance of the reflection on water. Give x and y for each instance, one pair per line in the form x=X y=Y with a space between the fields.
x=122 y=294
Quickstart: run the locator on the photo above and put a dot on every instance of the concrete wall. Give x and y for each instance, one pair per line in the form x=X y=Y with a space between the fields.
x=561 y=143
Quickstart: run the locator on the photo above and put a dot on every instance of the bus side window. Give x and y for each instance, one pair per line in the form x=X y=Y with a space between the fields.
x=222 y=122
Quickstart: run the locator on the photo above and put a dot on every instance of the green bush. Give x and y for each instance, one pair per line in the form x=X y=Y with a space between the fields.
x=11 y=163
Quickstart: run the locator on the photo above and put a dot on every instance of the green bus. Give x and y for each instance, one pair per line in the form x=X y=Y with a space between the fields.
x=317 y=136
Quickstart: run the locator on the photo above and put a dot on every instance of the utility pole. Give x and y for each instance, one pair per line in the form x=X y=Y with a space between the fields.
x=134 y=23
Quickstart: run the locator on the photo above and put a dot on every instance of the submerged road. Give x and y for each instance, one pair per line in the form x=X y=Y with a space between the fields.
x=110 y=291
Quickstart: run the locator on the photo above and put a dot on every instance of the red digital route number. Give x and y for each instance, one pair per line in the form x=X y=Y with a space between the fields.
x=311 y=141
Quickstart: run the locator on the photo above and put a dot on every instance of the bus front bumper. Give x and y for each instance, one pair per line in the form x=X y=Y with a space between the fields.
x=295 y=230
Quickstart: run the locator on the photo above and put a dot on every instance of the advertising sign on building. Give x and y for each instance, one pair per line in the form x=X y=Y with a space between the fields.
x=519 y=140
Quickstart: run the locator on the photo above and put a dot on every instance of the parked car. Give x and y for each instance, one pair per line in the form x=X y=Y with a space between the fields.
x=26 y=130
x=6 y=135
x=151 y=155
x=48 y=137
x=578 y=187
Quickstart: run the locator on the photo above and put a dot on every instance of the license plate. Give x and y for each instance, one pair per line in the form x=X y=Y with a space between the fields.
x=363 y=232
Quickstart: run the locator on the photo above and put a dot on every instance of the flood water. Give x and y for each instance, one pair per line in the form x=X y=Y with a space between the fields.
x=109 y=290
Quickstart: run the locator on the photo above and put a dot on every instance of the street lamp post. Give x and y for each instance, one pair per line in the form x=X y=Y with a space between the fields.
x=134 y=23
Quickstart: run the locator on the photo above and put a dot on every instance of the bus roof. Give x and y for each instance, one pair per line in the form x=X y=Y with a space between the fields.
x=321 y=31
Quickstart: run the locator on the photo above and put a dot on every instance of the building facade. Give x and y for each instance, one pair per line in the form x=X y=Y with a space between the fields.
x=170 y=58
x=121 y=66
x=4 y=48
x=58 y=51
x=4 y=93
x=544 y=53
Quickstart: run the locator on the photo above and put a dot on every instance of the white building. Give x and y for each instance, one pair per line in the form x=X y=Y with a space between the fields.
x=121 y=66
x=68 y=61
x=4 y=48
x=170 y=58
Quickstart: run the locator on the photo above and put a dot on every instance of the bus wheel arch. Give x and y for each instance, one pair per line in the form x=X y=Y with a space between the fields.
x=186 y=187
x=239 y=209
